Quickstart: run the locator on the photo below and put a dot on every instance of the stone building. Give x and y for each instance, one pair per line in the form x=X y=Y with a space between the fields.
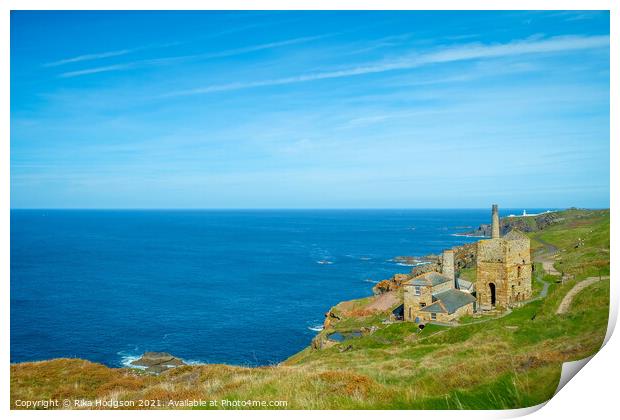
x=437 y=296
x=503 y=278
x=503 y=268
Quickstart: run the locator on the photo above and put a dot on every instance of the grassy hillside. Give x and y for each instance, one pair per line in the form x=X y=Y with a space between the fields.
x=508 y=362
x=582 y=239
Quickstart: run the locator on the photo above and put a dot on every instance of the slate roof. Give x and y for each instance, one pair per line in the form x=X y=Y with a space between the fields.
x=449 y=301
x=432 y=278
x=435 y=307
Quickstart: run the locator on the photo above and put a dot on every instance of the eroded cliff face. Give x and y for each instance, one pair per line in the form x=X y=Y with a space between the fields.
x=330 y=319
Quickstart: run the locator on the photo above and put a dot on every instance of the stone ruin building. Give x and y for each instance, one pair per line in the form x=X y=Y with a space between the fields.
x=437 y=296
x=503 y=279
x=503 y=268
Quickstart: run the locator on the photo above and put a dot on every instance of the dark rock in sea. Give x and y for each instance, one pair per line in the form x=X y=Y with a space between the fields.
x=402 y=259
x=158 y=362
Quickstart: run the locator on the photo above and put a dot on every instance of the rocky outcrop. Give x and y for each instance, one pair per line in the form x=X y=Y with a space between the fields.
x=383 y=286
x=321 y=342
x=330 y=319
x=522 y=223
x=465 y=256
x=390 y=284
x=433 y=264
x=158 y=362
x=407 y=260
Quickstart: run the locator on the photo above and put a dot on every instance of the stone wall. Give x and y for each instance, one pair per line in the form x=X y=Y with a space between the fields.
x=506 y=265
x=518 y=251
x=447 y=264
x=412 y=302
x=464 y=310
x=491 y=271
x=487 y=274
x=519 y=270
x=409 y=301
x=491 y=250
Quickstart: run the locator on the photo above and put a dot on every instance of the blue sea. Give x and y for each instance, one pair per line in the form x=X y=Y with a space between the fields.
x=239 y=287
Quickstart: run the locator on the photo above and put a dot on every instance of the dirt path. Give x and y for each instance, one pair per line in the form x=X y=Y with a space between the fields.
x=549 y=268
x=568 y=299
x=383 y=302
x=547 y=257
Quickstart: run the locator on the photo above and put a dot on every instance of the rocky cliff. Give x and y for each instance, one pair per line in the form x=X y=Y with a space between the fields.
x=522 y=223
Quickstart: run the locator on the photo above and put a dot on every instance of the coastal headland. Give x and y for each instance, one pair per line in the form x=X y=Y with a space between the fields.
x=366 y=358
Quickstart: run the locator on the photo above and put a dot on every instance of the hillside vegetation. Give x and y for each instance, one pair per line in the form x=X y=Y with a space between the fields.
x=507 y=362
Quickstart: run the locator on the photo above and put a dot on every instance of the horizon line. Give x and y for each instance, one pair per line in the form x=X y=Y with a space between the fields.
x=293 y=208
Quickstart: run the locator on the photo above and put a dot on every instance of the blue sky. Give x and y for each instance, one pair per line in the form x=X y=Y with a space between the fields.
x=309 y=109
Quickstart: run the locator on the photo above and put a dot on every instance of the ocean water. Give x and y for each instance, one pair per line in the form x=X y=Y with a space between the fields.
x=240 y=287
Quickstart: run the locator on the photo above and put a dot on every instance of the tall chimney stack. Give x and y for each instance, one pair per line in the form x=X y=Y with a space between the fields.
x=447 y=265
x=495 y=222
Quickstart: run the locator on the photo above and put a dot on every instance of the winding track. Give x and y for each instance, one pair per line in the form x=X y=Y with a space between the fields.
x=568 y=298
x=547 y=256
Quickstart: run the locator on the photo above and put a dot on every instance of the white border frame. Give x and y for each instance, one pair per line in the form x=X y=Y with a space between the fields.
x=593 y=394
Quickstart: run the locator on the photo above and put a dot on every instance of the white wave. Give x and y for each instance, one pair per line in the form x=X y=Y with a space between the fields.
x=371 y=281
x=316 y=328
x=193 y=362
x=324 y=262
x=468 y=236
x=127 y=358
x=412 y=265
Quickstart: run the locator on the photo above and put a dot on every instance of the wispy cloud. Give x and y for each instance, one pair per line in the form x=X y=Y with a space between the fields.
x=122 y=52
x=260 y=47
x=88 y=57
x=94 y=70
x=205 y=56
x=107 y=54
x=445 y=55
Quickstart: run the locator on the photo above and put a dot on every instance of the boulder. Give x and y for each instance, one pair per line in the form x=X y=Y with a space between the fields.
x=157 y=362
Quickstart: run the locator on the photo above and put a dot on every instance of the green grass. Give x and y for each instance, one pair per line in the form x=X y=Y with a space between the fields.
x=583 y=240
x=468 y=274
